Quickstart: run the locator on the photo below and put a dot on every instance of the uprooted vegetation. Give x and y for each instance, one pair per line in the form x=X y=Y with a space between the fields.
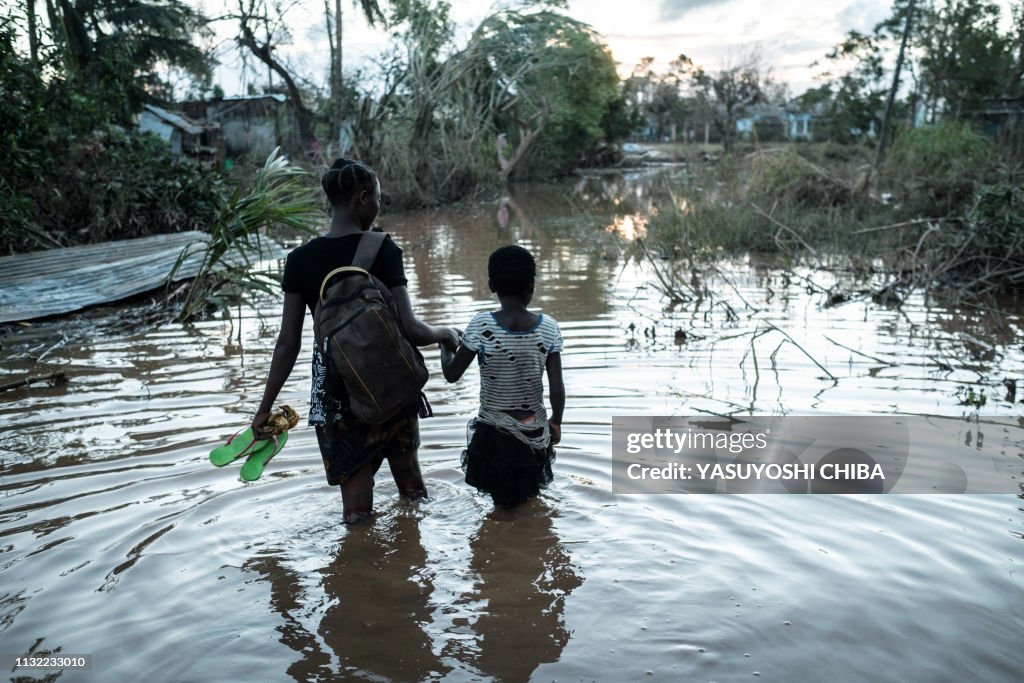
x=944 y=212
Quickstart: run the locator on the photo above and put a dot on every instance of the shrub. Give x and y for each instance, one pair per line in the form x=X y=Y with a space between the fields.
x=789 y=179
x=984 y=254
x=935 y=169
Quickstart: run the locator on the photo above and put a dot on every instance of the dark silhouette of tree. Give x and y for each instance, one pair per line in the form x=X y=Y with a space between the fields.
x=115 y=47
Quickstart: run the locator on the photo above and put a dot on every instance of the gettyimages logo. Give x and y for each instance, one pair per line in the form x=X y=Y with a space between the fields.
x=828 y=454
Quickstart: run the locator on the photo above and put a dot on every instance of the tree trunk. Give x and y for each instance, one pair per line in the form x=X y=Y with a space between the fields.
x=333 y=129
x=883 y=137
x=336 y=71
x=33 y=32
x=1017 y=79
x=527 y=139
x=302 y=113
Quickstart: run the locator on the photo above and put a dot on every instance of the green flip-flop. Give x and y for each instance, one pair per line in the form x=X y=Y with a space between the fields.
x=239 y=445
x=261 y=455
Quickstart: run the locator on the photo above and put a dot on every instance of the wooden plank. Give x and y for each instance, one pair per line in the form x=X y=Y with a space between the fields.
x=60 y=281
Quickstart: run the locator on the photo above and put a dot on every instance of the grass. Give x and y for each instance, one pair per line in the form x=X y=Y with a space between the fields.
x=946 y=218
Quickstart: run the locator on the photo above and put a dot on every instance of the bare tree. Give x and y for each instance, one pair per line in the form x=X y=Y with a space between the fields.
x=729 y=91
x=253 y=13
x=372 y=12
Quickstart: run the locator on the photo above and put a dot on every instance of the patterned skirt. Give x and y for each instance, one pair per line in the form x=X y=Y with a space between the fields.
x=346 y=445
x=503 y=466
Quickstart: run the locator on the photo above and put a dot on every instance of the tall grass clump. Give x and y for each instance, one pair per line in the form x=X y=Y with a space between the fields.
x=771 y=201
x=934 y=170
x=280 y=197
x=788 y=179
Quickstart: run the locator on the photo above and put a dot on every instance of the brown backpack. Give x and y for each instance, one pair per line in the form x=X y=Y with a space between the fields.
x=357 y=328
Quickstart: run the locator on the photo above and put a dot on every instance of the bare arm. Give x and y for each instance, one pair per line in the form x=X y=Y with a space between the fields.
x=289 y=342
x=418 y=332
x=454 y=364
x=556 y=391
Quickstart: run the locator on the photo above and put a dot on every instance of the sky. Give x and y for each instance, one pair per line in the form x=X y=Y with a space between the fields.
x=789 y=35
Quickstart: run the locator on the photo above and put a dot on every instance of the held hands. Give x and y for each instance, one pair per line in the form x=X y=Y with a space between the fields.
x=451 y=367
x=451 y=339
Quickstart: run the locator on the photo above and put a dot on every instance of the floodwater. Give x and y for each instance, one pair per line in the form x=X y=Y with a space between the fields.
x=119 y=540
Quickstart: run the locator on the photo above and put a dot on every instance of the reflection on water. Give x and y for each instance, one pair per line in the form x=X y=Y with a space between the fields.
x=379 y=589
x=376 y=595
x=119 y=540
x=523 y=578
x=375 y=601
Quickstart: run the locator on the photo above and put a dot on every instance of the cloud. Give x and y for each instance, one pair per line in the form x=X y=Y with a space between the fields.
x=862 y=16
x=675 y=9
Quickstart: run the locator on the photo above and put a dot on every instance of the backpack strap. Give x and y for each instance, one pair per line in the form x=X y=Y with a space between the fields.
x=369 y=245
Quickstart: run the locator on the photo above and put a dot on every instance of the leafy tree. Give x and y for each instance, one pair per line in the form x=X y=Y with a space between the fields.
x=620 y=120
x=964 y=58
x=568 y=90
x=69 y=175
x=957 y=54
x=658 y=97
x=113 y=48
x=23 y=131
x=858 y=93
x=539 y=82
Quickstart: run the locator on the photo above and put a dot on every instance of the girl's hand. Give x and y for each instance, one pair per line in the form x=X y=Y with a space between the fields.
x=258 y=422
x=556 y=432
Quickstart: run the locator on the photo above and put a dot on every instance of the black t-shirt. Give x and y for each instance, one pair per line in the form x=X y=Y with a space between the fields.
x=309 y=264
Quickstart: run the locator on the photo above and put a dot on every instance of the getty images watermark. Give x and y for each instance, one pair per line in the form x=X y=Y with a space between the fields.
x=826 y=454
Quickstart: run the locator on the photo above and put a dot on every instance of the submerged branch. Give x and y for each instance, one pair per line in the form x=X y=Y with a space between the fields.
x=782 y=226
x=802 y=349
x=58 y=378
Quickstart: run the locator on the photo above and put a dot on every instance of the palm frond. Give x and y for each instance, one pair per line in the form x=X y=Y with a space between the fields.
x=278 y=198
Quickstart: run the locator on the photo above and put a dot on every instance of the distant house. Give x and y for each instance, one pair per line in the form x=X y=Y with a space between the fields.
x=764 y=122
x=1003 y=120
x=252 y=125
x=769 y=123
x=800 y=125
x=183 y=135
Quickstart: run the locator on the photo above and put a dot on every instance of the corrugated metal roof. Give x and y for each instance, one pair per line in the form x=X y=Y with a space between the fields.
x=59 y=281
x=176 y=120
x=272 y=95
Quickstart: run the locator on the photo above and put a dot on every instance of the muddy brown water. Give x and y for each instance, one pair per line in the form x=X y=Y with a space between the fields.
x=119 y=540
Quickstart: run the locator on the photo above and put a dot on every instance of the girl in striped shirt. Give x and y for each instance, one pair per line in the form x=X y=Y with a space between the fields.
x=510 y=452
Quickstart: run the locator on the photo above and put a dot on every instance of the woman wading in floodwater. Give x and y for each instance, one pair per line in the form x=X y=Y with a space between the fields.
x=352 y=452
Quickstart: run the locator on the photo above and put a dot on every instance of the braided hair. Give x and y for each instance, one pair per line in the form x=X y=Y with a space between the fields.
x=346 y=179
x=511 y=271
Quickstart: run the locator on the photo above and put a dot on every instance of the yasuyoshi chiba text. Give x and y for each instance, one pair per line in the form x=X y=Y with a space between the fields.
x=758 y=472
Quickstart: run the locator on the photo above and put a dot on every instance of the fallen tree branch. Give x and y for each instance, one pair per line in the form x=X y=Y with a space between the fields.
x=57 y=378
x=859 y=353
x=786 y=228
x=809 y=356
x=891 y=226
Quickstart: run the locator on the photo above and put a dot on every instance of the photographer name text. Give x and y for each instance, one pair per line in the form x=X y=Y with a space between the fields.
x=757 y=472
